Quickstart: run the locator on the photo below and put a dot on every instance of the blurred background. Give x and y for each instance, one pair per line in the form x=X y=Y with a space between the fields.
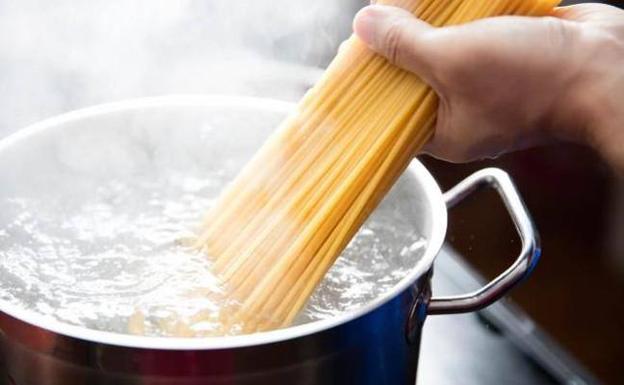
x=61 y=55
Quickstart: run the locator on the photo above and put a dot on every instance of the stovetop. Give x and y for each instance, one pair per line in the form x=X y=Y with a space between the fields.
x=499 y=345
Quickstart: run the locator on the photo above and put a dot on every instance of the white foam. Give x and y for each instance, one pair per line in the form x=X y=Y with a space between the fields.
x=98 y=259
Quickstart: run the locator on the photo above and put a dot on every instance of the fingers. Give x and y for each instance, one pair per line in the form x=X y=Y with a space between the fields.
x=499 y=80
x=396 y=34
x=586 y=12
x=605 y=17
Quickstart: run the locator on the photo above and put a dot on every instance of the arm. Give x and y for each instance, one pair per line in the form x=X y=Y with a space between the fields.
x=507 y=83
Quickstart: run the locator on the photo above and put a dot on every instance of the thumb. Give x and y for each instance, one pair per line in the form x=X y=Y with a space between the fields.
x=399 y=36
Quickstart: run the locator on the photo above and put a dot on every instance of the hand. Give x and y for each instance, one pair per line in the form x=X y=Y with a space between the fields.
x=506 y=83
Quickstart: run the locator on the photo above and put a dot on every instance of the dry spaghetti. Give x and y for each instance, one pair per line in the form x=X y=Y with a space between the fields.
x=280 y=225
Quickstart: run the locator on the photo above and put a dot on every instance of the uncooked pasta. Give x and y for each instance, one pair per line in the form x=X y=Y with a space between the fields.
x=280 y=225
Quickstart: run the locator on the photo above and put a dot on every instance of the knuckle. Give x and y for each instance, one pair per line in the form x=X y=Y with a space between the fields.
x=394 y=41
x=606 y=42
x=559 y=33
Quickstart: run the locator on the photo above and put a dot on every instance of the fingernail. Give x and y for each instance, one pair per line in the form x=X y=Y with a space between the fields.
x=366 y=22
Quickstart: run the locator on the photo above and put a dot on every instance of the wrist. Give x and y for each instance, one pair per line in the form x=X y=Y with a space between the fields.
x=590 y=110
x=606 y=119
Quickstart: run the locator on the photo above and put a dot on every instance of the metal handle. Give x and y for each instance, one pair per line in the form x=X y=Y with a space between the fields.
x=524 y=264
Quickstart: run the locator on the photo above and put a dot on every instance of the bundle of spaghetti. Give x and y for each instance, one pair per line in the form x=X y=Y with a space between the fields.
x=279 y=226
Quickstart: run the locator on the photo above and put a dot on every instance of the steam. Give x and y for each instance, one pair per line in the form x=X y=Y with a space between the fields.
x=61 y=55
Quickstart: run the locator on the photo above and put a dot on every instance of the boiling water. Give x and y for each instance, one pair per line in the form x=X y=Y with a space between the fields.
x=118 y=257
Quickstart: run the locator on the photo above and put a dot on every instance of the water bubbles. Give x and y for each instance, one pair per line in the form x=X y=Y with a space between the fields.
x=368 y=267
x=114 y=259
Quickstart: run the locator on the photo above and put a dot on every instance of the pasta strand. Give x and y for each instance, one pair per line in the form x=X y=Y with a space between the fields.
x=280 y=225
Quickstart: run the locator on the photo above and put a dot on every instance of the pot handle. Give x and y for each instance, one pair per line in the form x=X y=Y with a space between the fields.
x=524 y=264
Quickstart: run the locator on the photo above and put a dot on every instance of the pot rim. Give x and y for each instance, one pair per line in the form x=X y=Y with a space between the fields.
x=434 y=243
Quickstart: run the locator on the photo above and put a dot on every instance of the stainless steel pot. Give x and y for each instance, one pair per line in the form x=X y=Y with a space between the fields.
x=376 y=344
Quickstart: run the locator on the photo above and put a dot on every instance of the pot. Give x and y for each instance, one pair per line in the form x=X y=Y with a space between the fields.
x=374 y=344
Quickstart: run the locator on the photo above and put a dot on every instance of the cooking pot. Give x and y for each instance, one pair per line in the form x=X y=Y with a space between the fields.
x=375 y=344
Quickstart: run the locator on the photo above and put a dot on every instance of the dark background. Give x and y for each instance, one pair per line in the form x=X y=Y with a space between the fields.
x=577 y=291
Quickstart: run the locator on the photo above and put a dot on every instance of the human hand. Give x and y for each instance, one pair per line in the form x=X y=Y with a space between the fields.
x=506 y=83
